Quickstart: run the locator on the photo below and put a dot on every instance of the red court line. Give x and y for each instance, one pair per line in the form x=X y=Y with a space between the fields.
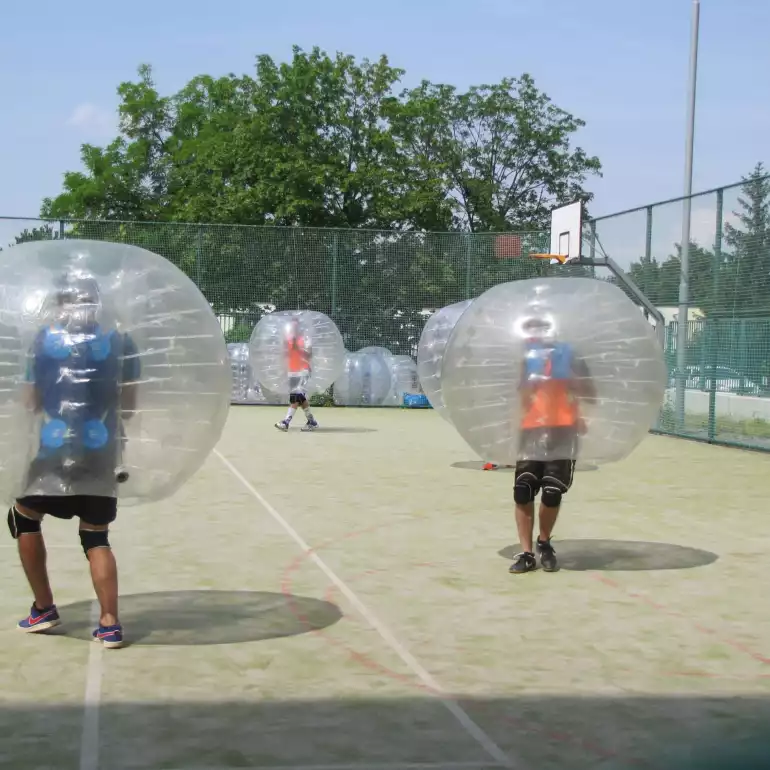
x=368 y=662
x=642 y=598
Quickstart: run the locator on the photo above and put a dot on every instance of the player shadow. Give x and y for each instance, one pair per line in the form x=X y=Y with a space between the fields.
x=184 y=618
x=478 y=465
x=622 y=555
x=339 y=429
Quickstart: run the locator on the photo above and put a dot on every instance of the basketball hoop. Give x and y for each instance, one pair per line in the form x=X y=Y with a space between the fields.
x=560 y=258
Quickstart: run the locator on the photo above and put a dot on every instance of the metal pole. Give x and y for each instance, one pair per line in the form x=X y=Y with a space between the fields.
x=682 y=320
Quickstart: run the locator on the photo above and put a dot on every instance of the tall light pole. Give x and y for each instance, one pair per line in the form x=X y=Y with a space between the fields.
x=684 y=274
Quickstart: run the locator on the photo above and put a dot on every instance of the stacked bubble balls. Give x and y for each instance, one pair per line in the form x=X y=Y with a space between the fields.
x=403 y=379
x=114 y=371
x=551 y=332
x=245 y=388
x=431 y=348
x=296 y=350
x=365 y=380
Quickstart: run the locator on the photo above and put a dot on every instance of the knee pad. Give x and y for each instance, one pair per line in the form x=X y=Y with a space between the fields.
x=553 y=490
x=525 y=488
x=19 y=524
x=93 y=538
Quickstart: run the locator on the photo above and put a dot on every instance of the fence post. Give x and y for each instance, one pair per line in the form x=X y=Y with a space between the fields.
x=648 y=236
x=711 y=321
x=335 y=247
x=198 y=259
x=468 y=265
x=61 y=228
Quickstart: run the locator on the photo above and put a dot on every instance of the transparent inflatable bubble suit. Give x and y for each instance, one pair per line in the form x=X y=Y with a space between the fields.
x=553 y=368
x=365 y=380
x=376 y=350
x=245 y=389
x=296 y=350
x=115 y=378
x=430 y=352
x=403 y=379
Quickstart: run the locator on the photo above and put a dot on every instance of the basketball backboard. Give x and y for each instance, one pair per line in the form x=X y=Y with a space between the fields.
x=566 y=234
x=567 y=231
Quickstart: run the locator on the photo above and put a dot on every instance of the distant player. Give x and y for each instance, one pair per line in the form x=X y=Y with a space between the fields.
x=299 y=356
x=81 y=381
x=554 y=382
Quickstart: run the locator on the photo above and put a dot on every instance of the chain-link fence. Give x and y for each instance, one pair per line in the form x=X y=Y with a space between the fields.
x=380 y=287
x=725 y=374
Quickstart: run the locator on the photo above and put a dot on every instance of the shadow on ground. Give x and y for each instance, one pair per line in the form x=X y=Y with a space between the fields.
x=206 y=617
x=343 y=429
x=622 y=555
x=478 y=465
x=536 y=733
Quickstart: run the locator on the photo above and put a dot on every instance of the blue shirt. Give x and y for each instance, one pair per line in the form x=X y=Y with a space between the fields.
x=78 y=378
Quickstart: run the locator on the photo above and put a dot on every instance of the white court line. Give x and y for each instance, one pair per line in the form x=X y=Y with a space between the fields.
x=89 y=742
x=454 y=708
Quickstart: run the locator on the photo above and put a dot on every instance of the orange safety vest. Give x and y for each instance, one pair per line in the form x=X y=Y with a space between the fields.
x=298 y=357
x=549 y=403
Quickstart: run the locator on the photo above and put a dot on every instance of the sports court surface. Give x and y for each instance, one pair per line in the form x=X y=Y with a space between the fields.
x=340 y=601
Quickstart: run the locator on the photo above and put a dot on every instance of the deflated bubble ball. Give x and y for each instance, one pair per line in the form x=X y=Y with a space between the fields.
x=365 y=380
x=431 y=349
x=114 y=369
x=295 y=350
x=403 y=379
x=553 y=368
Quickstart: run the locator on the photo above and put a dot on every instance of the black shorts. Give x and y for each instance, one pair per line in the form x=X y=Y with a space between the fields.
x=556 y=451
x=297 y=398
x=91 y=509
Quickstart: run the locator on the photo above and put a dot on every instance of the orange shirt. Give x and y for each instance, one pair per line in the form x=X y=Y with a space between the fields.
x=298 y=357
x=549 y=404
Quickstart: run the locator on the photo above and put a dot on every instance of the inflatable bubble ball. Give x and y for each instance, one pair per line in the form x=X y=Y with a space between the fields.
x=294 y=350
x=245 y=388
x=115 y=372
x=376 y=350
x=365 y=380
x=553 y=368
x=403 y=379
x=430 y=352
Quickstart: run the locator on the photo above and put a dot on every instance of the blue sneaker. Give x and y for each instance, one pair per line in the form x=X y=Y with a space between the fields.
x=311 y=425
x=39 y=620
x=110 y=636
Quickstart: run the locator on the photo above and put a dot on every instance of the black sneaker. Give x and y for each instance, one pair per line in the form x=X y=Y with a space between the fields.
x=523 y=562
x=547 y=555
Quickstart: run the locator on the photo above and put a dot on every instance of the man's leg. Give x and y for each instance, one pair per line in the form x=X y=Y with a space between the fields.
x=104 y=570
x=311 y=421
x=25 y=526
x=557 y=479
x=525 y=489
x=284 y=424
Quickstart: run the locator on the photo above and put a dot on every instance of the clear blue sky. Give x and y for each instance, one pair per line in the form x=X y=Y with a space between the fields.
x=619 y=65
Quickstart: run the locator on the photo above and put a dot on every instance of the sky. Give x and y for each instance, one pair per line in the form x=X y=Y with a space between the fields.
x=621 y=66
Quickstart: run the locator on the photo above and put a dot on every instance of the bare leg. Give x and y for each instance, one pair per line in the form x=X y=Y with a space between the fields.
x=525 y=525
x=547 y=517
x=34 y=558
x=104 y=575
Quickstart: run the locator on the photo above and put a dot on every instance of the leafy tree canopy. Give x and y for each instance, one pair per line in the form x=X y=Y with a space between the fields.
x=323 y=141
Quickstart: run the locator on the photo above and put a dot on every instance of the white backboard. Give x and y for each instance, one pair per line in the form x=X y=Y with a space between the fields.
x=567 y=231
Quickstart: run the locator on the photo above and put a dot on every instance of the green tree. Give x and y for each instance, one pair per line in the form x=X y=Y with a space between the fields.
x=502 y=152
x=745 y=279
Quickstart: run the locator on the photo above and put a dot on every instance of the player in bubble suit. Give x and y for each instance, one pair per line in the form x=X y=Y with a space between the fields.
x=299 y=355
x=554 y=382
x=81 y=382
